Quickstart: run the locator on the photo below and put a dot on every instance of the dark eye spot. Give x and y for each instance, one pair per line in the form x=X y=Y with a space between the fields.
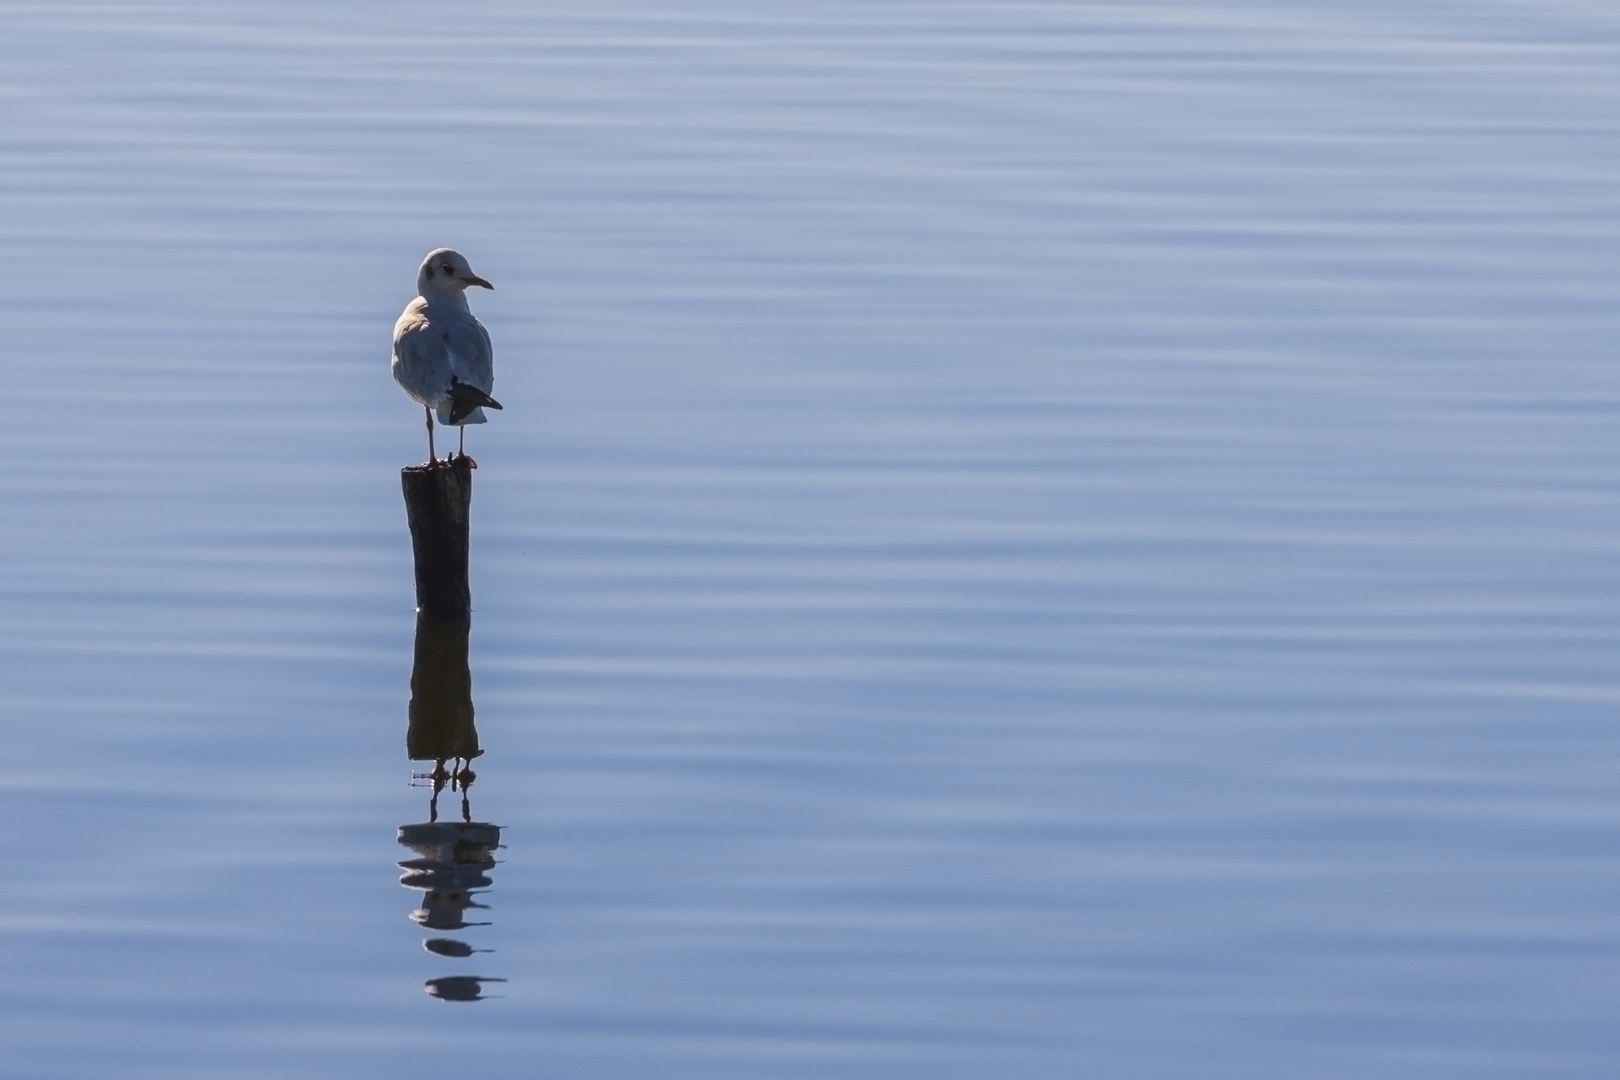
x=448 y=269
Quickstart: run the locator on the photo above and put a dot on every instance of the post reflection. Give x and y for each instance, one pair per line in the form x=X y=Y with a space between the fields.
x=452 y=858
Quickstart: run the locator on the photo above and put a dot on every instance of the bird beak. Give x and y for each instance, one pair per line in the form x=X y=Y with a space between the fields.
x=474 y=279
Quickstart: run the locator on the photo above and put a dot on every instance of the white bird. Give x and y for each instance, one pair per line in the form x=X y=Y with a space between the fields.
x=442 y=355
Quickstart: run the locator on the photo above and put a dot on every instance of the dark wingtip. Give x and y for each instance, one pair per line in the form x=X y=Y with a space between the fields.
x=464 y=399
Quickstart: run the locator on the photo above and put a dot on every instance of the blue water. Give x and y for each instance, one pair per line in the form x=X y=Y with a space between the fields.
x=1035 y=540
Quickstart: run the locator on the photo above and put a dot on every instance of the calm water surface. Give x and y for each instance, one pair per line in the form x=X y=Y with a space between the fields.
x=1026 y=540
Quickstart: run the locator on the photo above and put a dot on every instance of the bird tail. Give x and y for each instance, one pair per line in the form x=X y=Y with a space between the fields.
x=464 y=399
x=448 y=418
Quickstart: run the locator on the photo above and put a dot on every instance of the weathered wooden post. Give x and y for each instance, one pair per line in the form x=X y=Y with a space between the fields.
x=438 y=501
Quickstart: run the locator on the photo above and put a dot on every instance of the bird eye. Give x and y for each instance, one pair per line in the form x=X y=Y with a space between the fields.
x=447 y=268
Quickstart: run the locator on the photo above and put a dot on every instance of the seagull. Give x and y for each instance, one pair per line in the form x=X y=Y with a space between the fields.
x=442 y=355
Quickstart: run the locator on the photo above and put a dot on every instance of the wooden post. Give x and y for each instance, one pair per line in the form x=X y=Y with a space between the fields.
x=438 y=500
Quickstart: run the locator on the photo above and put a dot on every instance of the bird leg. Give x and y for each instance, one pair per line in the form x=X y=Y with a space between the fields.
x=432 y=457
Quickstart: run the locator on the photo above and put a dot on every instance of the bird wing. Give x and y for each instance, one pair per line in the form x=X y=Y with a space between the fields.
x=423 y=360
x=472 y=357
x=466 y=401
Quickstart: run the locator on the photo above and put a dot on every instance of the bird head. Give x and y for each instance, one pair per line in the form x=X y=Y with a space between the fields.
x=447 y=271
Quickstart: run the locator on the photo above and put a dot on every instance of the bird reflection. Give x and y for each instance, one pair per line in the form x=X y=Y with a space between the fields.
x=450 y=947
x=459 y=987
x=453 y=859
